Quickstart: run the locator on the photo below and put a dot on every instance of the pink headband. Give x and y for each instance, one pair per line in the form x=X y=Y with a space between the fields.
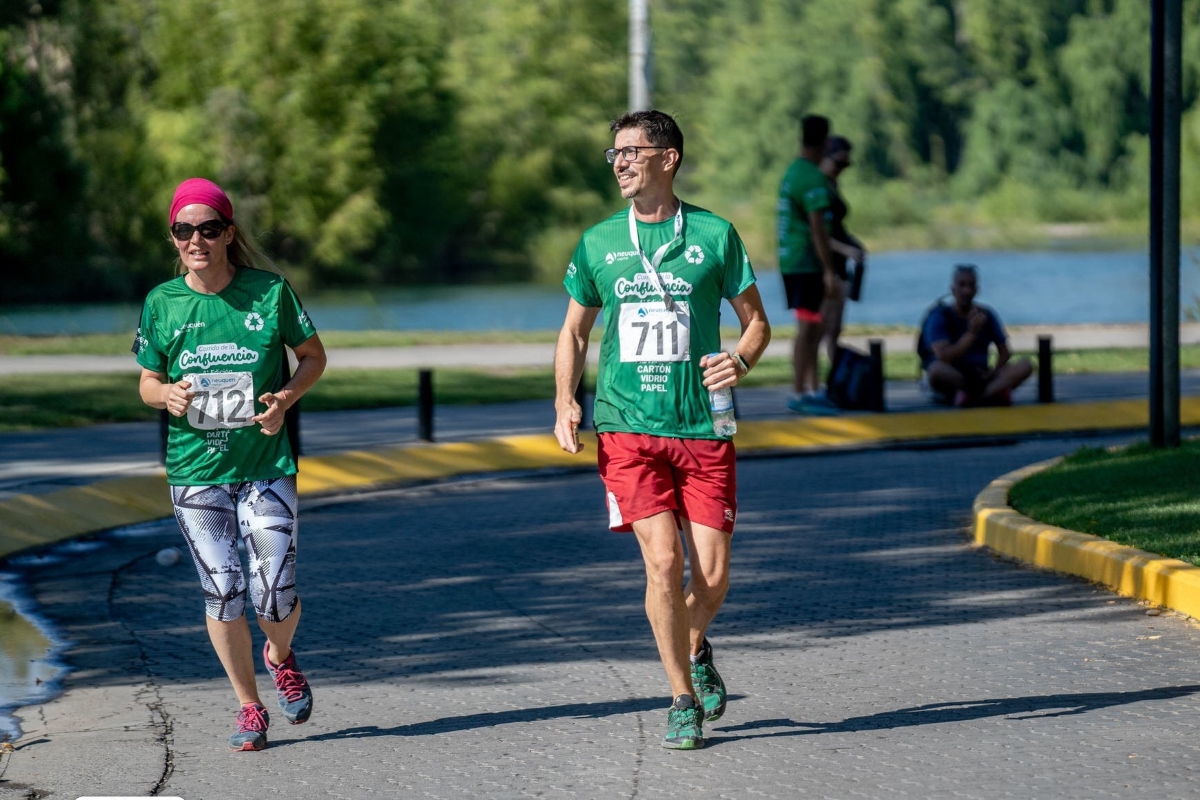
x=204 y=192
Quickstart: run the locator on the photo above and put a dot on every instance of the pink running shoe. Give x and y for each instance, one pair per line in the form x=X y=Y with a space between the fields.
x=251 y=733
x=291 y=687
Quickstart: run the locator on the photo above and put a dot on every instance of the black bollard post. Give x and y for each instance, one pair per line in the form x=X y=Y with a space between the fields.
x=164 y=430
x=1045 y=371
x=581 y=398
x=425 y=405
x=879 y=401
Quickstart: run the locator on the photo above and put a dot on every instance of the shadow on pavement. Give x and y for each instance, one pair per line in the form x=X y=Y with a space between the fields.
x=1017 y=708
x=470 y=722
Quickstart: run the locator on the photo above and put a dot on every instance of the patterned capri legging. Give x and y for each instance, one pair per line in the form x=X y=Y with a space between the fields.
x=263 y=513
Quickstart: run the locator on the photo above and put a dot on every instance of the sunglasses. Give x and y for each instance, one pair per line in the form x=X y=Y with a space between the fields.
x=210 y=229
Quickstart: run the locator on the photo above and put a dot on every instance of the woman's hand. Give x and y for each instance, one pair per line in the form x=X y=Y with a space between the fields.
x=177 y=397
x=272 y=419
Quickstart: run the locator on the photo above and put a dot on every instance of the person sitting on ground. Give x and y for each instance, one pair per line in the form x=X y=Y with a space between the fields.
x=960 y=337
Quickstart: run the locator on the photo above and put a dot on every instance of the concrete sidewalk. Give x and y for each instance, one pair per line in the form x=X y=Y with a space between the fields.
x=1065 y=337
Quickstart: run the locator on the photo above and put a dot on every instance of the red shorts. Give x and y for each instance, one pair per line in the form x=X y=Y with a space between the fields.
x=647 y=475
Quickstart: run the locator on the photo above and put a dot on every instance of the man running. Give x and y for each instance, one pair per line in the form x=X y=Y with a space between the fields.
x=659 y=271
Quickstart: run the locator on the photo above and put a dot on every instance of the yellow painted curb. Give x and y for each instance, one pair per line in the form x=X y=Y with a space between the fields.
x=808 y=432
x=1126 y=570
x=34 y=520
x=28 y=521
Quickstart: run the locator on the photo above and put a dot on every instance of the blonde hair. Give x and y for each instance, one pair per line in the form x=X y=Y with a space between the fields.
x=243 y=251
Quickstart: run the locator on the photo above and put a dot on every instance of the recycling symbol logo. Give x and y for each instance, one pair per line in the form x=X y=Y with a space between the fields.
x=254 y=321
x=694 y=254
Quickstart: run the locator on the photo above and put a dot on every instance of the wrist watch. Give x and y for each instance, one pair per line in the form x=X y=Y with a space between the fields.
x=741 y=362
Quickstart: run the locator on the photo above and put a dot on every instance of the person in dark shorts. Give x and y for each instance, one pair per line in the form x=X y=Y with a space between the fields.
x=843 y=246
x=960 y=337
x=805 y=262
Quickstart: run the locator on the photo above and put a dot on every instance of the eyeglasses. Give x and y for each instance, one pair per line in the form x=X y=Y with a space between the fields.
x=209 y=229
x=629 y=153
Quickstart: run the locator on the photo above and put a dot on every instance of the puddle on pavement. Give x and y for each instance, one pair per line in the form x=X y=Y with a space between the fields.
x=29 y=668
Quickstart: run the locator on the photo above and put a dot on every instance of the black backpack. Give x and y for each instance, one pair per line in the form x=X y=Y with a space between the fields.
x=850 y=383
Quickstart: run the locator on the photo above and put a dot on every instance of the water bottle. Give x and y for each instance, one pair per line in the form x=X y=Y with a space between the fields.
x=720 y=403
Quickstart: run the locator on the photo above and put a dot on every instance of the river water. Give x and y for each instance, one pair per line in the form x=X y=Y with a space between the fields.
x=1027 y=288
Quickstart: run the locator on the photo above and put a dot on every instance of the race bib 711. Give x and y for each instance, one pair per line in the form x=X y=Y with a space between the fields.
x=649 y=332
x=223 y=400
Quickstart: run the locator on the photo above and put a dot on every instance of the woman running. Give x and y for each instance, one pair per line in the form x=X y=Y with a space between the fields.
x=211 y=344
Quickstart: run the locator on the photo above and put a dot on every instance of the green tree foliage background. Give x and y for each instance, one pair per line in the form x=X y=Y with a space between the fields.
x=417 y=141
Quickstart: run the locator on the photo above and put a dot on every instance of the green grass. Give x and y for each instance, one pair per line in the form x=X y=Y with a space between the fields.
x=111 y=344
x=29 y=402
x=92 y=344
x=1140 y=496
x=383 y=388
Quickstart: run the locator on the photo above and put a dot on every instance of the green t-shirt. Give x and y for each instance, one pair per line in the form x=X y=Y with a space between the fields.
x=650 y=378
x=804 y=189
x=232 y=344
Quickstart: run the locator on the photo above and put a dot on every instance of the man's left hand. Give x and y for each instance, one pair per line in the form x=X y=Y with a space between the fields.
x=720 y=370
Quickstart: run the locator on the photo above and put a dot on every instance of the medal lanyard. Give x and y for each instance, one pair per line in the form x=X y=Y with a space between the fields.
x=651 y=264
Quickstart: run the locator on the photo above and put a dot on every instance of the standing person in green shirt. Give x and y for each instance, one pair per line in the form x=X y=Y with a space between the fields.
x=211 y=346
x=659 y=271
x=805 y=261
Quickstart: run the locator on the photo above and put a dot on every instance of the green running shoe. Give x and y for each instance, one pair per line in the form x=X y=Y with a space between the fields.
x=708 y=684
x=684 y=719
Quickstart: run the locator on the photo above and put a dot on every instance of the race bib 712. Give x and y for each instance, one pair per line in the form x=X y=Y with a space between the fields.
x=223 y=400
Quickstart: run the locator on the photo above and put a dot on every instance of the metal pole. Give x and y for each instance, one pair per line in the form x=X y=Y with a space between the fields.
x=425 y=405
x=1157 y=13
x=1172 y=106
x=1045 y=370
x=1157 y=18
x=639 y=55
x=879 y=401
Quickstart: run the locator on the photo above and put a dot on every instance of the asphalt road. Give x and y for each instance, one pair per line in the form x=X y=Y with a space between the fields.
x=486 y=638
